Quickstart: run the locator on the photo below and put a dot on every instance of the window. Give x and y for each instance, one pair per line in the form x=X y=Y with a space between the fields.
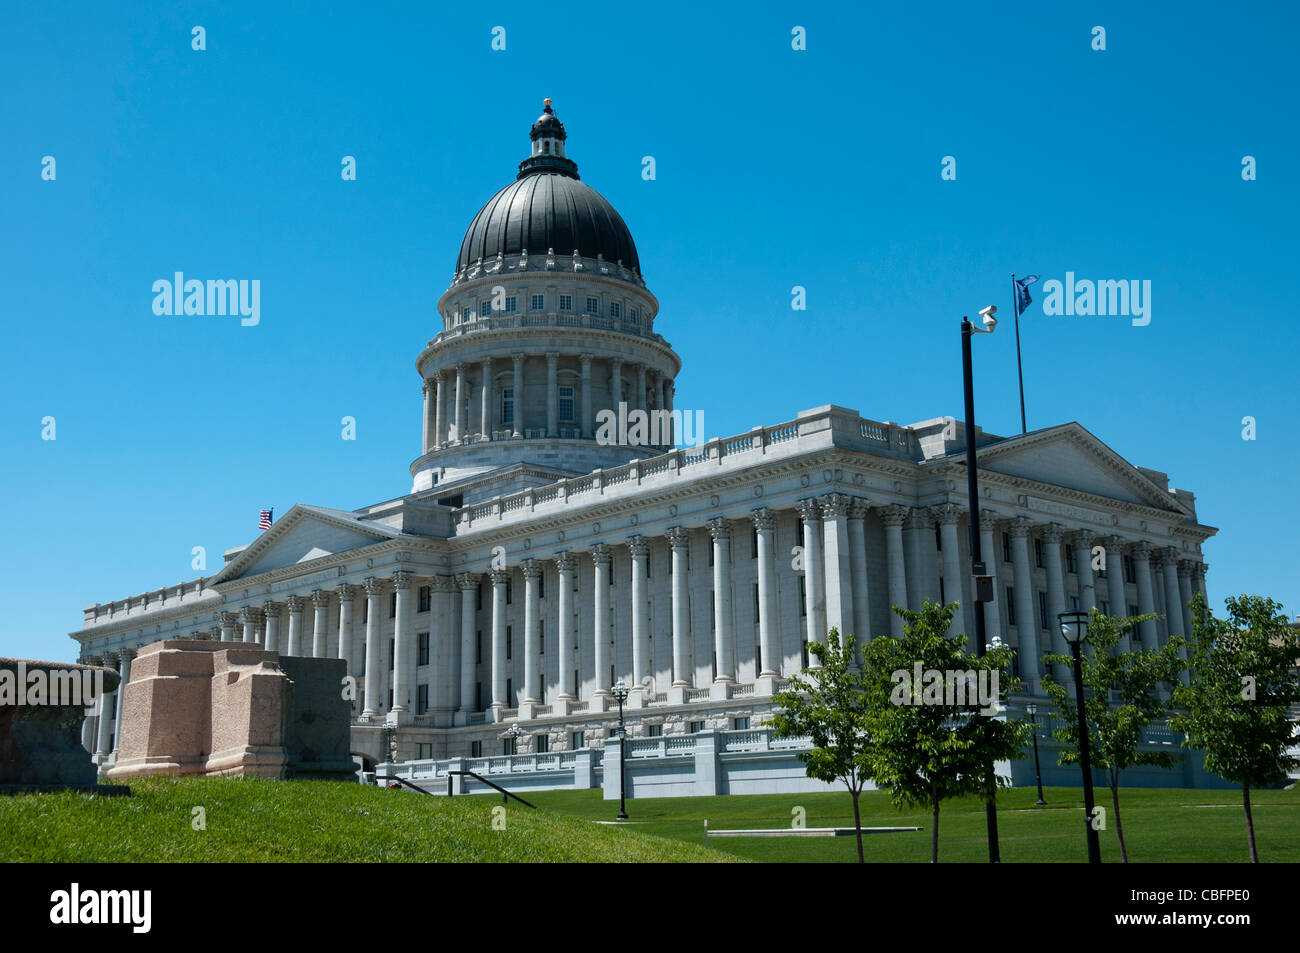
x=365 y=611
x=1136 y=631
x=1038 y=553
x=943 y=598
x=541 y=743
x=593 y=305
x=507 y=406
x=1042 y=611
x=510 y=690
x=537 y=303
x=541 y=637
x=615 y=309
x=424 y=750
x=757 y=607
x=508 y=746
x=511 y=304
x=1105 y=607
x=392 y=604
x=566 y=302
x=803 y=596
x=478 y=647
x=426 y=597
x=1130 y=570
x=478 y=598
x=710 y=555
x=753 y=542
x=541 y=586
x=1074 y=602
x=510 y=590
x=510 y=643
x=633 y=315
x=421 y=699
x=465 y=315
x=798 y=531
x=577 y=739
x=740 y=724
x=566 y=403
x=612 y=732
x=938 y=538
x=485 y=309
x=1006 y=547
x=476 y=749
x=478 y=696
x=803 y=652
x=422 y=648
x=1011 y=606
x=1069 y=560
x=698 y=726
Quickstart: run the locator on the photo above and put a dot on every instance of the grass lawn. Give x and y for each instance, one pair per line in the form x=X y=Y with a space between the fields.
x=1160 y=824
x=257 y=820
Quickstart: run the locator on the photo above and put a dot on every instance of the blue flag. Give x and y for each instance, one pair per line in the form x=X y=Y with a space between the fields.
x=1022 y=293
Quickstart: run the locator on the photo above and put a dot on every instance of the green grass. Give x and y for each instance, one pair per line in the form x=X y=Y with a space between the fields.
x=267 y=821
x=1160 y=825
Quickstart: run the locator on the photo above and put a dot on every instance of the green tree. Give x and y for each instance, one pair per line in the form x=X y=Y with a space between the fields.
x=827 y=705
x=931 y=739
x=1115 y=728
x=1243 y=684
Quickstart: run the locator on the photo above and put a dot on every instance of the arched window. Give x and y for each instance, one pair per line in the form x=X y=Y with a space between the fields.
x=566 y=403
x=508 y=407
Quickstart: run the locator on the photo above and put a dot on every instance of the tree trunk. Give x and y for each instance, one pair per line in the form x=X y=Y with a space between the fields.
x=1119 y=827
x=1250 y=823
x=857 y=823
x=934 y=832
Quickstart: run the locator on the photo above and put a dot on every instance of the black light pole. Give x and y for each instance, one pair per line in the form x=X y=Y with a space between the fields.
x=1033 y=710
x=620 y=692
x=1074 y=626
x=979 y=581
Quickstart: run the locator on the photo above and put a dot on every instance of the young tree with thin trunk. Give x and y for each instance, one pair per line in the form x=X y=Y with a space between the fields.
x=828 y=706
x=1237 y=706
x=932 y=737
x=1143 y=682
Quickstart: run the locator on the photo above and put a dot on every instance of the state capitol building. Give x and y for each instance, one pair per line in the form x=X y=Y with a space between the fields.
x=532 y=565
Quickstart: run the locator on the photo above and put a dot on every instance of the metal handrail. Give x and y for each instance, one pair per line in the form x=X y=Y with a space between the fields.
x=478 y=777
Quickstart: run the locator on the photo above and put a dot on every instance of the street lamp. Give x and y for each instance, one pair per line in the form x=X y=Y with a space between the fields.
x=981 y=581
x=1074 y=627
x=1032 y=711
x=620 y=692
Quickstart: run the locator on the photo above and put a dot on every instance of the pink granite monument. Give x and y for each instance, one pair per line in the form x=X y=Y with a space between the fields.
x=229 y=708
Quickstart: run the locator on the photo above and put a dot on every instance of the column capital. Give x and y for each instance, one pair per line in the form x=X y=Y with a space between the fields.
x=214 y=634
x=443 y=584
x=402 y=579
x=467 y=581
x=677 y=537
x=112 y=656
x=374 y=586
x=918 y=517
x=989 y=520
x=1080 y=538
x=616 y=364
x=487 y=363
x=947 y=514
x=1200 y=569
x=429 y=384
x=1166 y=556
x=893 y=514
x=586 y=360
x=764 y=519
x=94 y=660
x=1053 y=533
x=552 y=358
x=637 y=546
x=345 y=591
x=1114 y=545
x=565 y=562
x=601 y=554
x=436 y=377
x=271 y=610
x=1142 y=550
x=1185 y=569
x=808 y=510
x=499 y=576
x=320 y=598
x=531 y=569
x=251 y=614
x=859 y=507
x=719 y=528
x=230 y=619
x=126 y=654
x=834 y=506
x=518 y=360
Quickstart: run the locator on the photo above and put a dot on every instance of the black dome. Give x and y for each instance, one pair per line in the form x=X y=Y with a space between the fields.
x=548 y=211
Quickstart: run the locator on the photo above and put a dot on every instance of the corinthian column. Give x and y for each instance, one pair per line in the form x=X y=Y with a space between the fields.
x=250 y=623
x=532 y=572
x=1082 y=543
x=499 y=699
x=485 y=401
x=346 y=594
x=374 y=705
x=1114 y=551
x=459 y=411
x=723 y=641
x=320 y=624
x=1146 y=592
x=518 y=424
x=601 y=559
x=552 y=394
x=1031 y=657
x=403 y=672
x=228 y=620
x=468 y=583
x=678 y=539
x=1055 y=568
x=586 y=403
x=948 y=514
x=565 y=563
x=1173 y=608
x=440 y=422
x=992 y=616
x=107 y=713
x=893 y=517
x=814 y=589
x=294 y=642
x=426 y=429
x=637 y=547
x=769 y=666
x=858 y=562
x=271 y=612
x=839 y=569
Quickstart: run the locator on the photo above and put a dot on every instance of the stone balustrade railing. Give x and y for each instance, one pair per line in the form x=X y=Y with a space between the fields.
x=165 y=598
x=553 y=319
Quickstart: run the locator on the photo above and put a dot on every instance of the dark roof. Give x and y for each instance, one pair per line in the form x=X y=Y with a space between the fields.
x=548 y=209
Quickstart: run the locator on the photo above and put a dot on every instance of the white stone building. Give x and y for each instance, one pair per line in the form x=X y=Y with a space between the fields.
x=532 y=565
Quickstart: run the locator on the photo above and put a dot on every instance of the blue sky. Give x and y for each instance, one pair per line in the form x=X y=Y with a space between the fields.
x=775 y=168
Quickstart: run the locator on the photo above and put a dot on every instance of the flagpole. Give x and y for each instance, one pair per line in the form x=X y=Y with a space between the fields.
x=1015 y=309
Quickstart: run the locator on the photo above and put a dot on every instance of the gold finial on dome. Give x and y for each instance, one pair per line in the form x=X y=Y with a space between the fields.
x=547 y=102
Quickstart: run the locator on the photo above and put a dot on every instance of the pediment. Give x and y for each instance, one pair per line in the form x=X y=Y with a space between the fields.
x=302 y=535
x=1071 y=457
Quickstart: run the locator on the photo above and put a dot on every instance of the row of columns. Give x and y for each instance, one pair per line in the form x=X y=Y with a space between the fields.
x=652 y=390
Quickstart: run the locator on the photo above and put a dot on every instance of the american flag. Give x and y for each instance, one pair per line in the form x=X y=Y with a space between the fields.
x=264 y=519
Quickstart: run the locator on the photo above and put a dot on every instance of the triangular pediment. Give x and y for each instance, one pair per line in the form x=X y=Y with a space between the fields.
x=1071 y=457
x=304 y=534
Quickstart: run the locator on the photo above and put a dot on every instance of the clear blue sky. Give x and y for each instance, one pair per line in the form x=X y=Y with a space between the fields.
x=775 y=168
